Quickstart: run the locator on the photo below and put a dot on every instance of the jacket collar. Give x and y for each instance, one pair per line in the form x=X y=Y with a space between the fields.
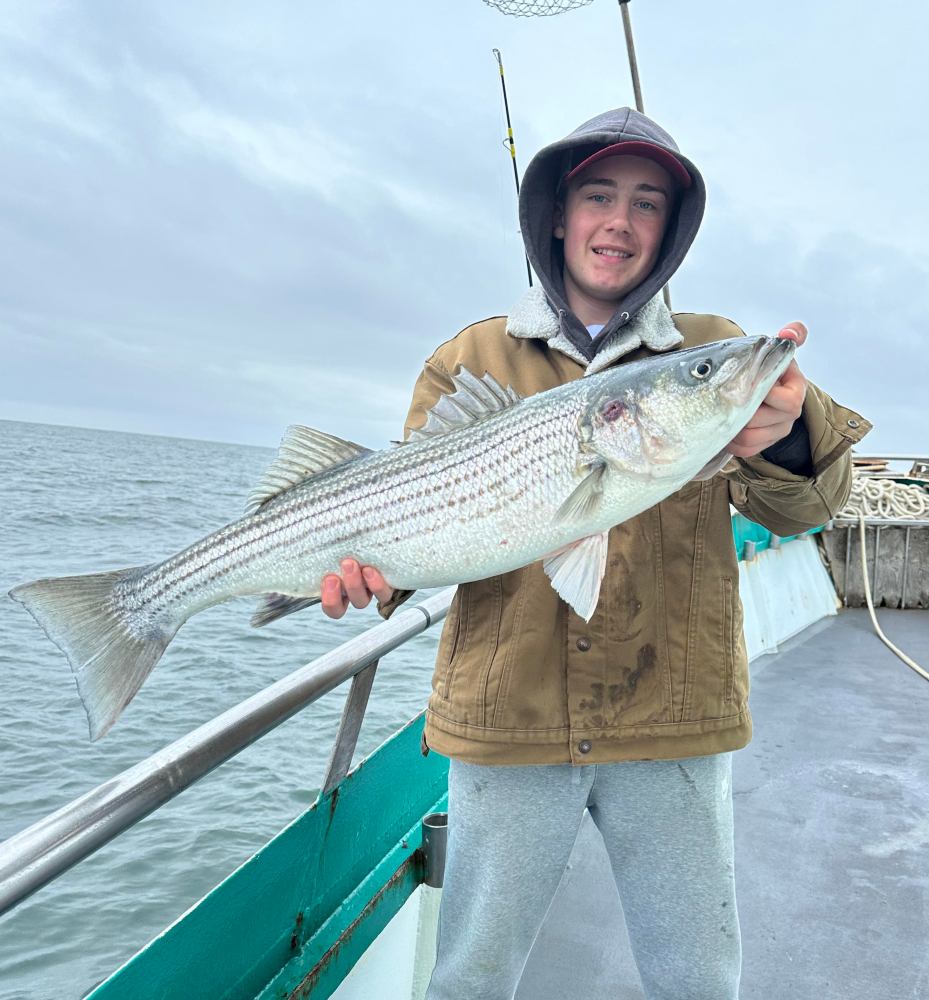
x=651 y=327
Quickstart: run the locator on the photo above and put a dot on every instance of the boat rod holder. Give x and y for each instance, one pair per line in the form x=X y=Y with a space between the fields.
x=435 y=841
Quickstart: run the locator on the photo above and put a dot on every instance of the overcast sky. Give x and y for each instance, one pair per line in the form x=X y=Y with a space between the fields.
x=220 y=218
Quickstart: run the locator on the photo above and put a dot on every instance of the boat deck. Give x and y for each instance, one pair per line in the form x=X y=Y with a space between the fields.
x=832 y=834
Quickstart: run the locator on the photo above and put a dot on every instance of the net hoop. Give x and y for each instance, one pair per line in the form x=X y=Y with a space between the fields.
x=535 y=8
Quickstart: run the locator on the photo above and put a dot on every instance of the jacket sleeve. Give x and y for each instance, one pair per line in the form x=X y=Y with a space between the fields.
x=787 y=503
x=432 y=383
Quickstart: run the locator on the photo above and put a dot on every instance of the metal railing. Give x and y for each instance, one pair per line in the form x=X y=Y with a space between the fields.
x=40 y=853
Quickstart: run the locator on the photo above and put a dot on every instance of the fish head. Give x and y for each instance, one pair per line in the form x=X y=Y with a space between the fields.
x=667 y=416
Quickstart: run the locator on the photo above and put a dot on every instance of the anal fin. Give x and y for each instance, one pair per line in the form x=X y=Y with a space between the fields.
x=275 y=606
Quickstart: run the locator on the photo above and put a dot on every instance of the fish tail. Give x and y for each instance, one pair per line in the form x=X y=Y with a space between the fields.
x=110 y=653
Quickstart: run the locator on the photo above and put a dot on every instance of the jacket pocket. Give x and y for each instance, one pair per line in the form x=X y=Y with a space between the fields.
x=468 y=647
x=450 y=643
x=729 y=638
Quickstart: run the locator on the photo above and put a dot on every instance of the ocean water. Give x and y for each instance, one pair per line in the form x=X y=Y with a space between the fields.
x=78 y=501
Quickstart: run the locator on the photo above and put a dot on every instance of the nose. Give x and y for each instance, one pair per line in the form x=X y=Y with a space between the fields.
x=619 y=218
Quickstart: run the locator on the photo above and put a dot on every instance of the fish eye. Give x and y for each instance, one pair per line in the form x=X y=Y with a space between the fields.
x=702 y=369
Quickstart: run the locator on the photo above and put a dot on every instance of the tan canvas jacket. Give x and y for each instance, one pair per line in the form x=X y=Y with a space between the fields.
x=660 y=671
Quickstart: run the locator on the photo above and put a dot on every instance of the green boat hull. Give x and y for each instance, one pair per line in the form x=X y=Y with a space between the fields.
x=294 y=919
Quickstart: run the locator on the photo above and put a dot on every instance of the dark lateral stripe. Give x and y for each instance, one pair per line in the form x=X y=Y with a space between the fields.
x=366 y=487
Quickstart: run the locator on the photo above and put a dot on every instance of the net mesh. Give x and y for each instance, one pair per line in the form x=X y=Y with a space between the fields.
x=535 y=8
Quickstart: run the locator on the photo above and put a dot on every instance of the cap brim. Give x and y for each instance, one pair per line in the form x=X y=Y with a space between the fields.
x=633 y=147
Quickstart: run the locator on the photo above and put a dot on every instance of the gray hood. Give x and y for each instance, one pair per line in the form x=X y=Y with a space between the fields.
x=537 y=207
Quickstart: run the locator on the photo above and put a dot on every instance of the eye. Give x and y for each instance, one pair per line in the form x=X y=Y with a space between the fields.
x=702 y=369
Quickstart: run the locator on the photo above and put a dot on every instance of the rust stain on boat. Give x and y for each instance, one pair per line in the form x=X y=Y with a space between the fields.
x=311 y=980
x=295 y=937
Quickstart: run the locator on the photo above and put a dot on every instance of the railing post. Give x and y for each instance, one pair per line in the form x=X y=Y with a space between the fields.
x=353 y=713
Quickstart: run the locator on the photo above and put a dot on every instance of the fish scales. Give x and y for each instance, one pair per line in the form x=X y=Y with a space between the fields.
x=541 y=478
x=411 y=486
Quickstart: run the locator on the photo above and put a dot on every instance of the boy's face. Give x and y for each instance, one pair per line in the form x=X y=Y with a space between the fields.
x=612 y=222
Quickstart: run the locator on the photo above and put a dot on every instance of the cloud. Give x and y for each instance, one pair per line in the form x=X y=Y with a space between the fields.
x=865 y=303
x=197 y=199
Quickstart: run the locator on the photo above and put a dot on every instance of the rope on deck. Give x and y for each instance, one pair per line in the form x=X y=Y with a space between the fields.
x=867 y=593
x=875 y=497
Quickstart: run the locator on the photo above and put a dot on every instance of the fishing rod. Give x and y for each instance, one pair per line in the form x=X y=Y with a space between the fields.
x=511 y=142
x=546 y=7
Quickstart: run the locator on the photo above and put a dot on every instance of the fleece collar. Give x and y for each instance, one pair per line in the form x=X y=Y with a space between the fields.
x=651 y=327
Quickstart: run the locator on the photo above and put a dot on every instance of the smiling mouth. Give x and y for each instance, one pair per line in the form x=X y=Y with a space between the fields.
x=619 y=254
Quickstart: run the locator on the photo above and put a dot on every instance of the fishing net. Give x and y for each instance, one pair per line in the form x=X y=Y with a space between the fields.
x=535 y=8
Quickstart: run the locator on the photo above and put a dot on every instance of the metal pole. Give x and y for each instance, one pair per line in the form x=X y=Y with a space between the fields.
x=511 y=142
x=637 y=89
x=630 y=49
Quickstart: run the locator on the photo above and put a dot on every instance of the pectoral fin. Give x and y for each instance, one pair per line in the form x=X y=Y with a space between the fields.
x=586 y=496
x=576 y=572
x=715 y=464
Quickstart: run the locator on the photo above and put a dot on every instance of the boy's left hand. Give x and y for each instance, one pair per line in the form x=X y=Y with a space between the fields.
x=780 y=408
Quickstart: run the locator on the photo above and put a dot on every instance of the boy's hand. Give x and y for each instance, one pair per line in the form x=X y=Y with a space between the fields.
x=356 y=586
x=780 y=408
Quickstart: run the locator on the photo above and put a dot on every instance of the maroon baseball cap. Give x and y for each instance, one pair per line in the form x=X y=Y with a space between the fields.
x=633 y=148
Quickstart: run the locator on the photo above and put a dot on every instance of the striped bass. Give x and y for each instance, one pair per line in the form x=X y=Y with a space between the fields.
x=490 y=483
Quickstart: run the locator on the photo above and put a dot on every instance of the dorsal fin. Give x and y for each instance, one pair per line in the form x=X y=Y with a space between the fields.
x=473 y=399
x=304 y=452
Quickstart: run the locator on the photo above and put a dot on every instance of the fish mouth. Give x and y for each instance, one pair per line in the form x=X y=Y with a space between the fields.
x=768 y=359
x=769 y=353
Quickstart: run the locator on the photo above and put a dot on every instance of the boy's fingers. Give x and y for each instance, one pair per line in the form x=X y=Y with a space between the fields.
x=377 y=584
x=355 y=586
x=332 y=599
x=353 y=583
x=789 y=391
x=751 y=441
x=795 y=331
x=765 y=416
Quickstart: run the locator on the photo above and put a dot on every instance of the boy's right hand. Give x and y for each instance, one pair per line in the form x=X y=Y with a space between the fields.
x=355 y=586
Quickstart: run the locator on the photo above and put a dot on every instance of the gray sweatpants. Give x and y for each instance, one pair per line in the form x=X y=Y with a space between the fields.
x=667 y=826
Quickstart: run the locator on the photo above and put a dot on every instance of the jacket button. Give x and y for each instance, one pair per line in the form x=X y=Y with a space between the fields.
x=853 y=423
x=585 y=746
x=583 y=644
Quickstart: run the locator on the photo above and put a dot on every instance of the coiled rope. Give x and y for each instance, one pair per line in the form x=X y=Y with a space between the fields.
x=884 y=498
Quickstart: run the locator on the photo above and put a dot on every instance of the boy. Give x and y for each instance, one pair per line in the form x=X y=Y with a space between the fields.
x=633 y=715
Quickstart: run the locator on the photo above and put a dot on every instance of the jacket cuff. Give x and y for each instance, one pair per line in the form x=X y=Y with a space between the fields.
x=785 y=502
x=386 y=609
x=792 y=452
x=832 y=429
